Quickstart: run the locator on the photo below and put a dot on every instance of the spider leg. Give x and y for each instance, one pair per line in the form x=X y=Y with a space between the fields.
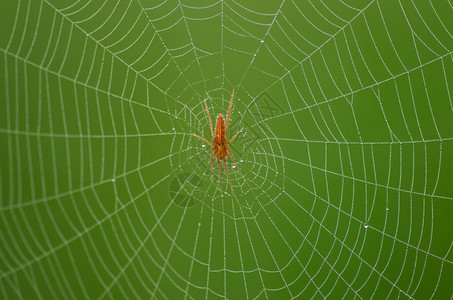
x=209 y=117
x=229 y=112
x=235 y=136
x=228 y=175
x=232 y=158
x=212 y=157
x=203 y=139
x=220 y=176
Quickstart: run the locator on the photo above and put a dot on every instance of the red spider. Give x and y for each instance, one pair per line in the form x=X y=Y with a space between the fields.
x=220 y=143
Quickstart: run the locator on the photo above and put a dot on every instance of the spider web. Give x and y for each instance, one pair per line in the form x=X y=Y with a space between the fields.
x=346 y=150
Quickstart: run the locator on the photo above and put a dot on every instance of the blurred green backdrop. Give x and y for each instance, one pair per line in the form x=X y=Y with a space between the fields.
x=347 y=149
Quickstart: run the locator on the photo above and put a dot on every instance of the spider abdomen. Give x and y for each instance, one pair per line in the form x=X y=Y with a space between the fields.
x=219 y=143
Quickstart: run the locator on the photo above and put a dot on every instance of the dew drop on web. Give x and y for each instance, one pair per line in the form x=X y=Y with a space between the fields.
x=365 y=225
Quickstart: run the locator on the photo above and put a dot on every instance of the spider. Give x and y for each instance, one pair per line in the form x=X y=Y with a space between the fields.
x=220 y=144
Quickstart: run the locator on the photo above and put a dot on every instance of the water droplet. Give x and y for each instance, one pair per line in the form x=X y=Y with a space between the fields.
x=262 y=41
x=365 y=225
x=241 y=160
x=113 y=179
x=173 y=129
x=203 y=145
x=254 y=54
x=233 y=166
x=386 y=208
x=199 y=224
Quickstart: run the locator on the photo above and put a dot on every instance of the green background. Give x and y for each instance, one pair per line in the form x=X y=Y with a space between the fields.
x=346 y=150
